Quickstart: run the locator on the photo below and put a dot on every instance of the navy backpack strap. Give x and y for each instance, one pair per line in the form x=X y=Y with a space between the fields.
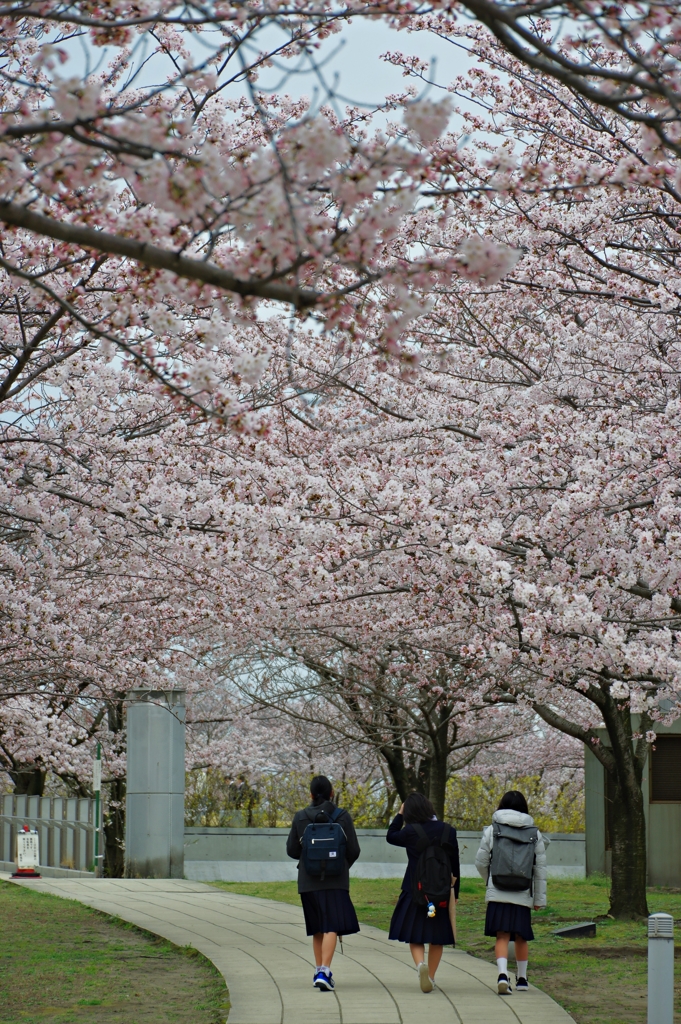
x=424 y=841
x=336 y=814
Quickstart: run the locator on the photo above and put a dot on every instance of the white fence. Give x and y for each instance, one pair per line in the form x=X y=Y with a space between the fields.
x=65 y=825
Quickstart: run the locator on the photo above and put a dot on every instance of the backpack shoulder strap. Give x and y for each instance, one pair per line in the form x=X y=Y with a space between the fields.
x=424 y=841
x=336 y=814
x=445 y=838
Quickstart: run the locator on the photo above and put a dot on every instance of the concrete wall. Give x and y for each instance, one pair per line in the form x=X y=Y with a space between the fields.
x=663 y=821
x=259 y=855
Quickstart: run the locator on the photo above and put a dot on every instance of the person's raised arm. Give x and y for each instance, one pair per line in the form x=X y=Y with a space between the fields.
x=397 y=835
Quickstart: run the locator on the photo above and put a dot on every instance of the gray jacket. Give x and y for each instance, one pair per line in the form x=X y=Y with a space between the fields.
x=300 y=822
x=484 y=855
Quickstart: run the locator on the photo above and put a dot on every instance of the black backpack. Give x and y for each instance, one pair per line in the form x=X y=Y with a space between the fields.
x=433 y=875
x=322 y=846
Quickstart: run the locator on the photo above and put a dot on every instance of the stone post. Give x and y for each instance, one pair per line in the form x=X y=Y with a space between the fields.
x=154 y=803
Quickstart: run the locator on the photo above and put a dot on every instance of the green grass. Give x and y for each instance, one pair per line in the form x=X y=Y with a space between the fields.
x=62 y=963
x=598 y=981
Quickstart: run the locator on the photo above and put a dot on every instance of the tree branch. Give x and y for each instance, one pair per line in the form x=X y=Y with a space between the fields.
x=154 y=256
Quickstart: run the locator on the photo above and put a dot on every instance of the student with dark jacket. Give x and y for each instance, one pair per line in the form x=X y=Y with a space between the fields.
x=326 y=902
x=410 y=922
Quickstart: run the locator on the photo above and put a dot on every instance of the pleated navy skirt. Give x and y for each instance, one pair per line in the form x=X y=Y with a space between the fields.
x=509 y=917
x=329 y=910
x=411 y=924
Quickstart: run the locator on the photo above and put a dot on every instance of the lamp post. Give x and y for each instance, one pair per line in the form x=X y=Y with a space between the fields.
x=660 y=969
x=97 y=787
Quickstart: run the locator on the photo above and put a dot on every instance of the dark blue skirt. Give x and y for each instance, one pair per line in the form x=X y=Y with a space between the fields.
x=509 y=917
x=411 y=924
x=329 y=910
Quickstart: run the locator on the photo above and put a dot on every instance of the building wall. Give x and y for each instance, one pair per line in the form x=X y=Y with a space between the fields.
x=663 y=822
x=594 y=788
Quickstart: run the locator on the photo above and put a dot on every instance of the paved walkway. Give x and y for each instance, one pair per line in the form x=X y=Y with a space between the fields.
x=261 y=949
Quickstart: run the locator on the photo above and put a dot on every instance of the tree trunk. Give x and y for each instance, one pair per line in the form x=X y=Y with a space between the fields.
x=114 y=818
x=627 y=825
x=437 y=789
x=401 y=774
x=28 y=781
x=623 y=759
x=438 y=785
x=627 y=829
x=114 y=831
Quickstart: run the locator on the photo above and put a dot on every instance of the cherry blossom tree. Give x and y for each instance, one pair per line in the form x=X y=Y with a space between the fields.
x=467 y=492
x=128 y=203
x=422 y=723
x=515 y=504
x=620 y=57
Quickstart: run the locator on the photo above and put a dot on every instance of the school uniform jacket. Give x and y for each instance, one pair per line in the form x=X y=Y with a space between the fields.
x=293 y=845
x=536 y=898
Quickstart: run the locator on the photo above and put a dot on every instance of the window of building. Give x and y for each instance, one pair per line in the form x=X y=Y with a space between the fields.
x=665 y=770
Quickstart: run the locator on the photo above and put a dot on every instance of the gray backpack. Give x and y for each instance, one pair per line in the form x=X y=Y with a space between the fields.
x=513 y=856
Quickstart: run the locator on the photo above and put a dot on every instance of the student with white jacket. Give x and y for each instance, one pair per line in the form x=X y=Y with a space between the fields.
x=522 y=886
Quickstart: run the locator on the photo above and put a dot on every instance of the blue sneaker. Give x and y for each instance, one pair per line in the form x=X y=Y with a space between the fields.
x=324 y=981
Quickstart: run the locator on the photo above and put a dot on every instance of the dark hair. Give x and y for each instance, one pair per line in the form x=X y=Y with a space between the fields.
x=320 y=790
x=513 y=801
x=417 y=808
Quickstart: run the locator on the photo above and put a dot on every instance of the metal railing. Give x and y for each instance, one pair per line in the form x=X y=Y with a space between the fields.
x=65 y=826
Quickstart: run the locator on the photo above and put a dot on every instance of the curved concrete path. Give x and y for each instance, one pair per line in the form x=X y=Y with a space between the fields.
x=261 y=949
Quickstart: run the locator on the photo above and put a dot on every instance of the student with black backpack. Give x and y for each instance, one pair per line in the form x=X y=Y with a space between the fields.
x=324 y=842
x=512 y=859
x=422 y=912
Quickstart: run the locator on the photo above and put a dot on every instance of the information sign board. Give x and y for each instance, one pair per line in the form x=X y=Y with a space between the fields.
x=28 y=852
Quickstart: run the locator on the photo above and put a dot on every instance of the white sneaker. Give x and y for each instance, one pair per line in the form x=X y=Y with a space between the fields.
x=426 y=983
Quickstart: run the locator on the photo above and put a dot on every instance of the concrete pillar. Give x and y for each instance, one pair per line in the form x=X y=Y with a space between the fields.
x=154 y=803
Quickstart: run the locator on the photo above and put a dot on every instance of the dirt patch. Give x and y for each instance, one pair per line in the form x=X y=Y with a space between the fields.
x=617 y=952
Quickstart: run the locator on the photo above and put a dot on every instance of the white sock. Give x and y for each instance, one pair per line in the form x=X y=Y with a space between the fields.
x=327 y=970
x=502 y=965
x=317 y=968
x=521 y=967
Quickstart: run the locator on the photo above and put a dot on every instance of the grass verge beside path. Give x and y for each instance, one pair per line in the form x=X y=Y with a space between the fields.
x=598 y=981
x=62 y=963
